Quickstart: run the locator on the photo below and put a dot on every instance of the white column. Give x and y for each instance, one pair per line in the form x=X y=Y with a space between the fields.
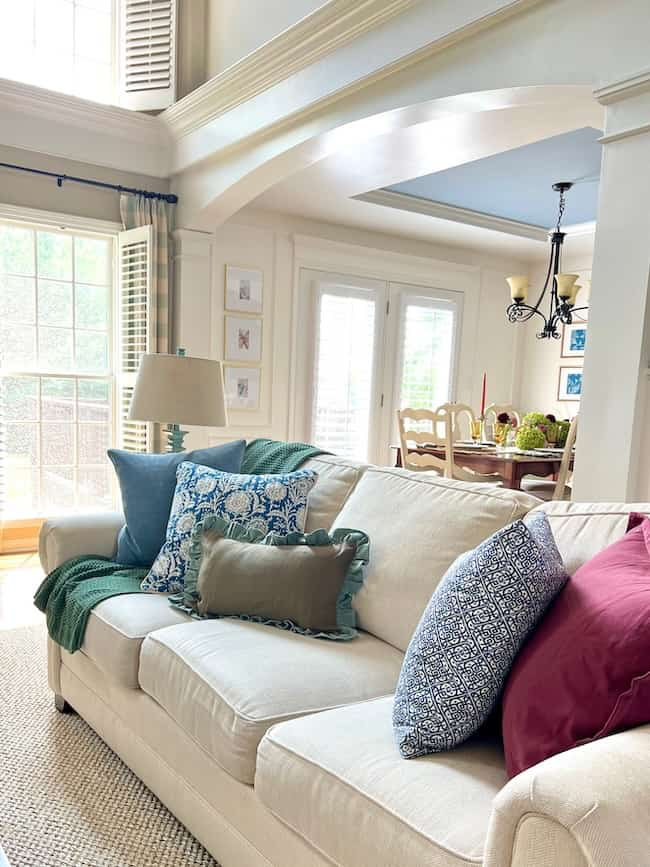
x=192 y=304
x=611 y=435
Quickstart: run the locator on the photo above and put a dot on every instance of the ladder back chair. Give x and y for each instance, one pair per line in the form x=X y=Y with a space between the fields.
x=546 y=489
x=445 y=418
x=496 y=409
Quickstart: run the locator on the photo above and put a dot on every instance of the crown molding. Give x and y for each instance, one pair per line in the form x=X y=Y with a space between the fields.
x=320 y=33
x=417 y=205
x=623 y=88
x=78 y=128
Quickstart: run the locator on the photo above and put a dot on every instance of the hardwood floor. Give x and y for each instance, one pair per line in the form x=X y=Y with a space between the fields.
x=20 y=575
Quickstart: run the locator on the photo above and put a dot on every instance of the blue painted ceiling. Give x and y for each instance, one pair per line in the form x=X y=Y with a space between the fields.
x=517 y=184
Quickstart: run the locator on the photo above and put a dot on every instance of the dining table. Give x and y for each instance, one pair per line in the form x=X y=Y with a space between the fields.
x=511 y=464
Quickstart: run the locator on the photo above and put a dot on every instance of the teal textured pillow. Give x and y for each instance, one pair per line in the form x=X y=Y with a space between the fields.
x=346 y=620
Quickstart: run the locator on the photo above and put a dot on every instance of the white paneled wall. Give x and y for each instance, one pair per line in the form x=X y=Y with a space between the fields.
x=279 y=246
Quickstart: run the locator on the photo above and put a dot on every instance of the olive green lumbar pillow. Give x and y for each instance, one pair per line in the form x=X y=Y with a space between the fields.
x=303 y=583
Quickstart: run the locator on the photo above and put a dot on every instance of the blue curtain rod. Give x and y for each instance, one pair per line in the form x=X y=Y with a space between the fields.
x=60 y=178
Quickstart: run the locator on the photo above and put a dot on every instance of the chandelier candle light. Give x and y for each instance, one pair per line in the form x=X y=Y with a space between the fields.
x=563 y=287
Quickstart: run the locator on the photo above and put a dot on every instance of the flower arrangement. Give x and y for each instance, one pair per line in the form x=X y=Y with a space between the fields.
x=539 y=429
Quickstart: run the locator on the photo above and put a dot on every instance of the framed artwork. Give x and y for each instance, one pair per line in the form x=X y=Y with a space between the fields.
x=244 y=287
x=569 y=384
x=243 y=339
x=574 y=339
x=242 y=386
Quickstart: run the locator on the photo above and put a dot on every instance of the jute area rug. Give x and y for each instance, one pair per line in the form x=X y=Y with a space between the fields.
x=66 y=800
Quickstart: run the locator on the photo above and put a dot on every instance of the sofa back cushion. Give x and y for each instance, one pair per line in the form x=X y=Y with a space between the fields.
x=337 y=478
x=582 y=530
x=418 y=523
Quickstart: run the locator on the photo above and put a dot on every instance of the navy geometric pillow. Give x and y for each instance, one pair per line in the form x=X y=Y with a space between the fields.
x=488 y=602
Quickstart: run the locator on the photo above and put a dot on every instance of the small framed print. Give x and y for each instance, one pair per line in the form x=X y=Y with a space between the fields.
x=242 y=386
x=243 y=339
x=574 y=339
x=569 y=385
x=244 y=287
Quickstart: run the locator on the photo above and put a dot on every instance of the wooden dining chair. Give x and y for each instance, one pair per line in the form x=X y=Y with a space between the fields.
x=546 y=489
x=495 y=409
x=443 y=422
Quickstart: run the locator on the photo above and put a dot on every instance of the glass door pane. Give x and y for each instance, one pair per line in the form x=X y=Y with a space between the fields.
x=345 y=381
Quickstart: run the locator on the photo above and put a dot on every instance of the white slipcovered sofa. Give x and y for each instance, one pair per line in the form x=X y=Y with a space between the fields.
x=276 y=749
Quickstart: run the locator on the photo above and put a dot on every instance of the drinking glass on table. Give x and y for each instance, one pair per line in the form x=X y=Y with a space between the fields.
x=476 y=429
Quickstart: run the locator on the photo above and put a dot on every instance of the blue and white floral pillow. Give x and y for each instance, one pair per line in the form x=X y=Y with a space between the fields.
x=275 y=503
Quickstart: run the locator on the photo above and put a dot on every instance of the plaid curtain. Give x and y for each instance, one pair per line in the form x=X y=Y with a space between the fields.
x=142 y=211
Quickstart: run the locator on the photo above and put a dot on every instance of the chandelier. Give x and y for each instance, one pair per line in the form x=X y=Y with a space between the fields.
x=563 y=287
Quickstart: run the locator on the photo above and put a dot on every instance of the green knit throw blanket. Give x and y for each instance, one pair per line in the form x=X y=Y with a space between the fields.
x=71 y=591
x=264 y=456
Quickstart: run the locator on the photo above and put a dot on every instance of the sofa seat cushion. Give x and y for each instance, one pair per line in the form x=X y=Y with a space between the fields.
x=117 y=627
x=225 y=682
x=338 y=780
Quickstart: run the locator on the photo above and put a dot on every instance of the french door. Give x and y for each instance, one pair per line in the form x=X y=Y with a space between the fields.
x=377 y=346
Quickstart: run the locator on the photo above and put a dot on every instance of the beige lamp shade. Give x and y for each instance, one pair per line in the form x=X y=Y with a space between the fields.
x=565 y=285
x=177 y=389
x=518 y=287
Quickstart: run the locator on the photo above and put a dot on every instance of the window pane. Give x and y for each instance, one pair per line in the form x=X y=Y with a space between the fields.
x=54 y=26
x=91 y=306
x=55 y=349
x=54 y=303
x=57 y=443
x=54 y=256
x=57 y=399
x=22 y=444
x=94 y=439
x=57 y=490
x=18 y=346
x=427 y=345
x=94 y=487
x=18 y=398
x=17 y=299
x=344 y=370
x=92 y=260
x=92 y=34
x=22 y=490
x=16 y=250
x=94 y=400
x=91 y=351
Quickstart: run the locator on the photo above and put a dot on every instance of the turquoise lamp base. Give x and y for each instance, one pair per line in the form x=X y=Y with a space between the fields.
x=175 y=437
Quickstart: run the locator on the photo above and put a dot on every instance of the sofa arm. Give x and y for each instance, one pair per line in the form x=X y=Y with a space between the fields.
x=587 y=807
x=63 y=538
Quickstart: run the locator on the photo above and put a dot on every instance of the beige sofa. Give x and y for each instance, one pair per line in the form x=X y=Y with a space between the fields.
x=276 y=749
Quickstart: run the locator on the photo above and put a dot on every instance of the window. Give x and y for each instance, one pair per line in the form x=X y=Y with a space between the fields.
x=56 y=374
x=64 y=45
x=377 y=346
x=114 y=51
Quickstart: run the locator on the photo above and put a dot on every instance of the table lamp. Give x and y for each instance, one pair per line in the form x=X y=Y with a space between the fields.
x=177 y=389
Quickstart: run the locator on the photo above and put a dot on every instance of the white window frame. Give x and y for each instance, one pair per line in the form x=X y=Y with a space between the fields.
x=74 y=225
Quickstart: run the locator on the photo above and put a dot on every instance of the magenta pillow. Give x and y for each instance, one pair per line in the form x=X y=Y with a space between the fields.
x=585 y=672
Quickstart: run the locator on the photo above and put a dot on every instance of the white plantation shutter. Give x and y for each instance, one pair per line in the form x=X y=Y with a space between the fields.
x=136 y=330
x=147 y=54
x=344 y=372
x=427 y=330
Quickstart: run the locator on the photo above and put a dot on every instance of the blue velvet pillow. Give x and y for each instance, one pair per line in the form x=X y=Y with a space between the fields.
x=147 y=483
x=486 y=605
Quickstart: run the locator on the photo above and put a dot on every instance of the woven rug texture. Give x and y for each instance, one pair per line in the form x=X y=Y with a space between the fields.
x=66 y=800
